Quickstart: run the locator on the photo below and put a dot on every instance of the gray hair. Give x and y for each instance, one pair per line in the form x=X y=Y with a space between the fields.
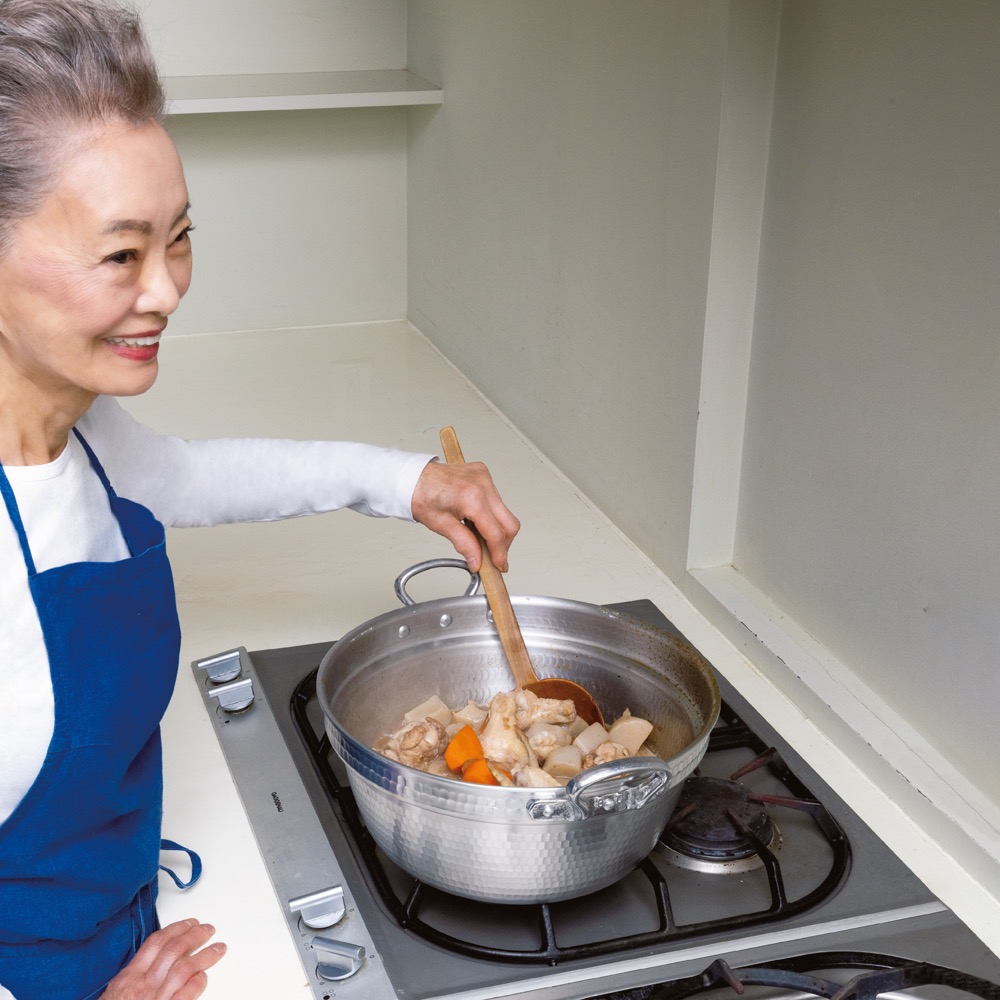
x=65 y=65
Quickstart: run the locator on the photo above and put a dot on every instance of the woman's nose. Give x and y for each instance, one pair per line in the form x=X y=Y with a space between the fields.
x=161 y=287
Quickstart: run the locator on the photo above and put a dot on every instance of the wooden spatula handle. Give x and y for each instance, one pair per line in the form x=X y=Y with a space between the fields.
x=495 y=587
x=452 y=449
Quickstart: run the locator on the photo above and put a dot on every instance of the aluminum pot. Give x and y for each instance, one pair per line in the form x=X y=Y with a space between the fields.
x=515 y=845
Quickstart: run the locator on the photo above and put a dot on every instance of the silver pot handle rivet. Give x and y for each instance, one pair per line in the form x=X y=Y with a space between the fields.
x=543 y=809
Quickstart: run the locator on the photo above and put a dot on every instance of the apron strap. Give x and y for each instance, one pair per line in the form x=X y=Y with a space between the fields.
x=15 y=516
x=98 y=468
x=169 y=845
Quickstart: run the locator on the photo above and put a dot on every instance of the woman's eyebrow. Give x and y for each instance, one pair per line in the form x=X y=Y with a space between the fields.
x=127 y=226
x=139 y=226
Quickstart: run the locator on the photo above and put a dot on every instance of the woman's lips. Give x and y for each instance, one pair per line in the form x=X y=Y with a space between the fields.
x=139 y=348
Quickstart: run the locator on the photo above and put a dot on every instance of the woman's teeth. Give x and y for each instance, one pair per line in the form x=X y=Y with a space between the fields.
x=136 y=341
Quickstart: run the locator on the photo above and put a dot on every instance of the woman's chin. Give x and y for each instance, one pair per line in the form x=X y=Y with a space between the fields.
x=130 y=383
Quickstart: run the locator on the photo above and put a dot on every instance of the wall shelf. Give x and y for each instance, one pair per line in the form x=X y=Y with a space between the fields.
x=191 y=95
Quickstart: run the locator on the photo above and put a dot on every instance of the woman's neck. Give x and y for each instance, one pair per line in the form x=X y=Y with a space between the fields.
x=34 y=427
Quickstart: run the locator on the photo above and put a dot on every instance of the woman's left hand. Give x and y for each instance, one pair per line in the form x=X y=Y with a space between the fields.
x=171 y=964
x=446 y=495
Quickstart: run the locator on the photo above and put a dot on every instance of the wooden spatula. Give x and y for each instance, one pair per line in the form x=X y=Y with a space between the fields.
x=506 y=621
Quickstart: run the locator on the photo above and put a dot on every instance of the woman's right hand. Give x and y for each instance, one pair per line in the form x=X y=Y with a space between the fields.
x=445 y=495
x=170 y=965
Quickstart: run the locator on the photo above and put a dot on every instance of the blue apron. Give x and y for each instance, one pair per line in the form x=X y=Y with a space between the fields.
x=79 y=854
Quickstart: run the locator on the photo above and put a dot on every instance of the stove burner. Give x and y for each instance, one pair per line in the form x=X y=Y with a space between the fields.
x=885 y=974
x=718 y=826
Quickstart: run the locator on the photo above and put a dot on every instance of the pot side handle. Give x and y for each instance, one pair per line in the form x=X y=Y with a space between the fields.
x=408 y=574
x=614 y=787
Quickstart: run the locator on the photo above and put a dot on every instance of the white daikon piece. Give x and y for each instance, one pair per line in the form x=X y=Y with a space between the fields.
x=564 y=762
x=471 y=715
x=591 y=738
x=630 y=731
x=433 y=708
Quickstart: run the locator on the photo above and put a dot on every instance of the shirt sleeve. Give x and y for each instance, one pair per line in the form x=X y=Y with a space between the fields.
x=193 y=483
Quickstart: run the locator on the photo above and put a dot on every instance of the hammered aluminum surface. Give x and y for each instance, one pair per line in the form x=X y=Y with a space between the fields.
x=515 y=845
x=505 y=862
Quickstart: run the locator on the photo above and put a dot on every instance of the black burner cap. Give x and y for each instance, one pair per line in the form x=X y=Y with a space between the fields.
x=716 y=819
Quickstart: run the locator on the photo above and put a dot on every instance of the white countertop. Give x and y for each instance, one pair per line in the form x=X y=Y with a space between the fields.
x=311 y=579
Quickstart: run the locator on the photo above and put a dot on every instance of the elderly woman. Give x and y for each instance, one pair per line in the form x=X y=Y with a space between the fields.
x=95 y=255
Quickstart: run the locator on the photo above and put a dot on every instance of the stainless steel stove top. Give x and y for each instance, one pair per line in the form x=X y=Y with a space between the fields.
x=839 y=887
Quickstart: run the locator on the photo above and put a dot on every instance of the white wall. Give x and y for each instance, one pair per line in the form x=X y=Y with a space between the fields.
x=300 y=216
x=869 y=502
x=205 y=37
x=560 y=214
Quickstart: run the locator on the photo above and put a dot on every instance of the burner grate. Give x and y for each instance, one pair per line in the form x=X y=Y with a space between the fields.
x=809 y=975
x=412 y=904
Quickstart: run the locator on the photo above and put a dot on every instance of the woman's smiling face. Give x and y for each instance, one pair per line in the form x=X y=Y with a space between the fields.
x=90 y=279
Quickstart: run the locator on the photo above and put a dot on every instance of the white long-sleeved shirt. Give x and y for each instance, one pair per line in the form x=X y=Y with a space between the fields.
x=67 y=518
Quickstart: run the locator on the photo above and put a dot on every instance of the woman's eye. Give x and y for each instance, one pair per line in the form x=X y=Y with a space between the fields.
x=122 y=257
x=184 y=234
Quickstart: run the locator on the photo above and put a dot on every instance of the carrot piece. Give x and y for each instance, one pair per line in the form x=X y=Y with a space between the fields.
x=464 y=746
x=478 y=771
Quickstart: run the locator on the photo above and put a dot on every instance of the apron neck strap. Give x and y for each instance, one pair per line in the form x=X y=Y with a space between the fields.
x=15 y=517
x=98 y=468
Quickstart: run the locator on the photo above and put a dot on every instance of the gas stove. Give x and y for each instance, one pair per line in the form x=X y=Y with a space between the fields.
x=761 y=867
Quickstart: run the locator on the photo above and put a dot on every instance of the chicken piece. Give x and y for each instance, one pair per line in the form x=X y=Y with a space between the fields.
x=418 y=744
x=534 y=777
x=605 y=753
x=501 y=740
x=531 y=709
x=543 y=738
